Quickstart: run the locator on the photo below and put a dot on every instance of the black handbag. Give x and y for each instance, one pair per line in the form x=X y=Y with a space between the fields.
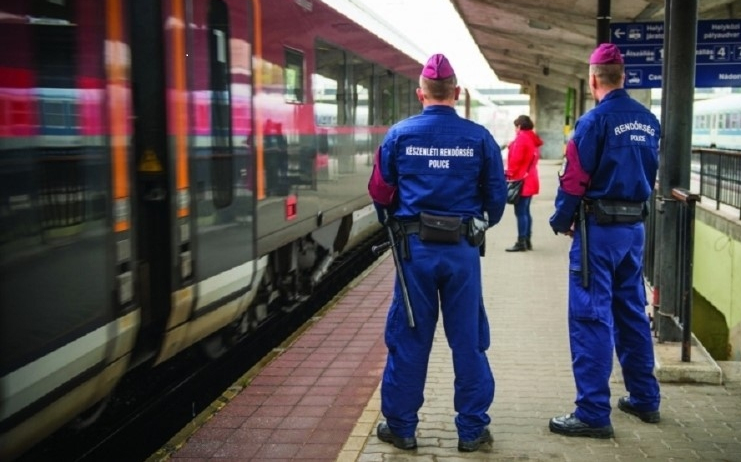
x=514 y=191
x=514 y=187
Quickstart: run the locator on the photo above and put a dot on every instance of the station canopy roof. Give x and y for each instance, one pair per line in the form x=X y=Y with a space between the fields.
x=536 y=42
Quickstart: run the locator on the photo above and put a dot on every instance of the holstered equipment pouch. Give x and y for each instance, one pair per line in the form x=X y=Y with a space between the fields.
x=476 y=231
x=609 y=212
x=433 y=228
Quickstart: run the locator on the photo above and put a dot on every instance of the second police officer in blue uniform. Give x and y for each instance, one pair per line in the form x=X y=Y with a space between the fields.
x=609 y=173
x=438 y=176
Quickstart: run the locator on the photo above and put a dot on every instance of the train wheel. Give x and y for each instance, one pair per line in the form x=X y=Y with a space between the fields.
x=214 y=346
x=90 y=416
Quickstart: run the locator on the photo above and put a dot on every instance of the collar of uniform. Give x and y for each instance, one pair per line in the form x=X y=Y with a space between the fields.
x=439 y=108
x=616 y=93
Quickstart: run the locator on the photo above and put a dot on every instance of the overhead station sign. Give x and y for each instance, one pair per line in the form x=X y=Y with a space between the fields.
x=718 y=58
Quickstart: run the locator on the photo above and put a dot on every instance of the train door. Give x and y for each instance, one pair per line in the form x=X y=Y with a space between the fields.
x=152 y=182
x=221 y=175
x=191 y=91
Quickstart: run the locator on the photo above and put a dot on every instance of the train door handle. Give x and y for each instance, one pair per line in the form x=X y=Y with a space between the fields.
x=156 y=194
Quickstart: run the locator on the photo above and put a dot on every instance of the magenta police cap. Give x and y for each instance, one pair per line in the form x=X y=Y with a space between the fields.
x=606 y=53
x=437 y=68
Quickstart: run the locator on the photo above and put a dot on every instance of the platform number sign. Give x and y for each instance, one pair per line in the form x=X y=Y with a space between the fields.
x=717 y=60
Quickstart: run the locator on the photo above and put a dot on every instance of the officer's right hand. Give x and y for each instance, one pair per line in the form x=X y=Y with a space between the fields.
x=560 y=224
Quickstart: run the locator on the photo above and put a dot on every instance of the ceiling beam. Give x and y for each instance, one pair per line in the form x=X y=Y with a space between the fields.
x=574 y=51
x=520 y=38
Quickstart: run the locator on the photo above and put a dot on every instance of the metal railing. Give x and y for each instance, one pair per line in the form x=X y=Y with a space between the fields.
x=716 y=174
x=678 y=286
x=719 y=173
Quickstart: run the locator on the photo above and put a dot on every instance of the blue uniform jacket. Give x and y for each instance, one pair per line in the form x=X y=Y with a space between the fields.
x=613 y=154
x=443 y=164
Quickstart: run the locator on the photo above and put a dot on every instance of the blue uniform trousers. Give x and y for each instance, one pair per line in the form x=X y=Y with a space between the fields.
x=440 y=278
x=610 y=315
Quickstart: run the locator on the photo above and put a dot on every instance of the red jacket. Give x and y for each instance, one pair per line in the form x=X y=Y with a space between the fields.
x=523 y=153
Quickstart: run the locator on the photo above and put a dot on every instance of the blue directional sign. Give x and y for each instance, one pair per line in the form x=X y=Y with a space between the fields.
x=718 y=58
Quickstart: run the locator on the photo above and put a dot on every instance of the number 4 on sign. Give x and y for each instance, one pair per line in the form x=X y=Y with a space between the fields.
x=721 y=53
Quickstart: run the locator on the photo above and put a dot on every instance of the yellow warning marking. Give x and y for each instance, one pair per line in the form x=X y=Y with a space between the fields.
x=150 y=162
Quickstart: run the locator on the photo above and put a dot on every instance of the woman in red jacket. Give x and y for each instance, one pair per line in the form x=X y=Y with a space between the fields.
x=522 y=162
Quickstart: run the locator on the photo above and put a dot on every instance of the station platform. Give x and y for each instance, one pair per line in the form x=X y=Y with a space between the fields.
x=318 y=397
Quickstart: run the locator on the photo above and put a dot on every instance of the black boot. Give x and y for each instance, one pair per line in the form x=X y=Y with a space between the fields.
x=518 y=247
x=528 y=245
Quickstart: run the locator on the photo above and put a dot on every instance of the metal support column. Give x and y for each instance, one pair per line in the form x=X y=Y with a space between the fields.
x=680 y=40
x=603 y=21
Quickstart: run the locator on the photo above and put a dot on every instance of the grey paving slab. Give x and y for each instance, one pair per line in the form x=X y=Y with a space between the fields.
x=525 y=296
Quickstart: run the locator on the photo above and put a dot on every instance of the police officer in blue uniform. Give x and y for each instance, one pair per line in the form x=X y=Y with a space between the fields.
x=440 y=177
x=608 y=175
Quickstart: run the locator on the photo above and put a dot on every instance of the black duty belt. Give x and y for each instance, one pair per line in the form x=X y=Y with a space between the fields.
x=608 y=212
x=412 y=227
x=590 y=205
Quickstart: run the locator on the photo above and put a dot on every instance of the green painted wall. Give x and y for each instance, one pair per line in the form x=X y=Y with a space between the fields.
x=717 y=283
x=709 y=326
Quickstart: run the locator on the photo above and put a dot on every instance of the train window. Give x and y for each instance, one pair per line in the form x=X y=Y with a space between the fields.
x=700 y=122
x=294 y=76
x=721 y=121
x=222 y=160
x=735 y=120
x=362 y=76
x=405 y=90
x=405 y=103
x=386 y=97
x=53 y=114
x=329 y=84
x=55 y=42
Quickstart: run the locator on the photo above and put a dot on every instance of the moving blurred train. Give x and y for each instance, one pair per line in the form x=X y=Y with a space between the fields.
x=168 y=170
x=717 y=122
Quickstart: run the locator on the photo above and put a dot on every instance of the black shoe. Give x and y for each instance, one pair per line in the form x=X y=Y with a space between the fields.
x=471 y=446
x=528 y=244
x=570 y=425
x=384 y=434
x=518 y=247
x=646 y=416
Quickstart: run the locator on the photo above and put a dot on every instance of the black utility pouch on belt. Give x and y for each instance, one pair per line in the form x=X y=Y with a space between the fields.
x=607 y=212
x=433 y=228
x=476 y=231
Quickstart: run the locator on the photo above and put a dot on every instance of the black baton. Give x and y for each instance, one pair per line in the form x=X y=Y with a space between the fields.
x=584 y=248
x=399 y=272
